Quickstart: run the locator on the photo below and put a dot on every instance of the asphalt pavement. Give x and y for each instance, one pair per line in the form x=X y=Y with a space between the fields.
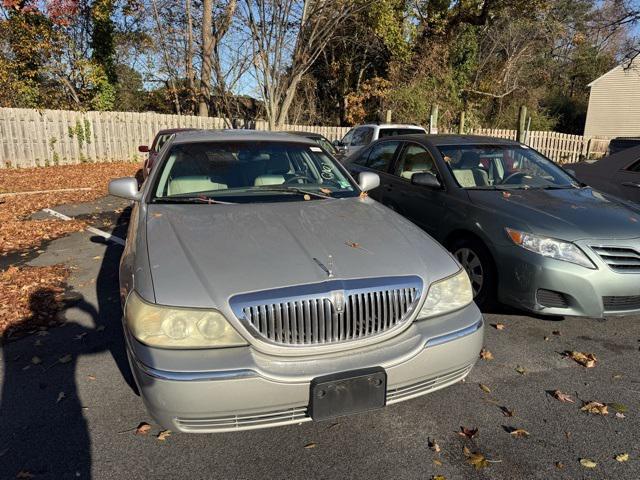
x=74 y=415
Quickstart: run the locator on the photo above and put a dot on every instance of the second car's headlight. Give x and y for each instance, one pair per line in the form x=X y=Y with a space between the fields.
x=550 y=247
x=171 y=327
x=447 y=295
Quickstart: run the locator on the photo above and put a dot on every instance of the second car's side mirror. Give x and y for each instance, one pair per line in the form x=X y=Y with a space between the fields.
x=426 y=179
x=126 y=187
x=143 y=149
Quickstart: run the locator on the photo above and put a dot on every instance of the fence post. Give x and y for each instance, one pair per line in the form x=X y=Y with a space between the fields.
x=387 y=117
x=522 y=123
x=461 y=126
x=433 y=119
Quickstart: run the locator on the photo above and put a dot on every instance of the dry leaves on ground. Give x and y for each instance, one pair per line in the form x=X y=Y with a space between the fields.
x=433 y=445
x=30 y=297
x=498 y=326
x=17 y=232
x=519 y=433
x=477 y=459
x=587 y=360
x=143 y=428
x=623 y=457
x=588 y=463
x=563 y=397
x=596 y=408
x=163 y=435
x=486 y=354
x=468 y=432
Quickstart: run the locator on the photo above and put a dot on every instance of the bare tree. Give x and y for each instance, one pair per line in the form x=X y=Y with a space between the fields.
x=214 y=27
x=287 y=37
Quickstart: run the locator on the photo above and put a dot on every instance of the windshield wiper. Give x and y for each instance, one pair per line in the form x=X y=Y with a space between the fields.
x=201 y=199
x=294 y=190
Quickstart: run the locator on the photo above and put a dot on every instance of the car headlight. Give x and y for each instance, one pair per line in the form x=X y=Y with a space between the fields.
x=447 y=295
x=172 y=327
x=550 y=247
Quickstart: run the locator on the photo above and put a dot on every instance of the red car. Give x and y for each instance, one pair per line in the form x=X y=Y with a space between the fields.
x=161 y=137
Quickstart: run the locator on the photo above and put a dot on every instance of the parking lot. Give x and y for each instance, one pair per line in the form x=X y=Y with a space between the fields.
x=69 y=407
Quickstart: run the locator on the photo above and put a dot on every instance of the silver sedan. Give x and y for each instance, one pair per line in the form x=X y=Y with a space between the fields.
x=262 y=287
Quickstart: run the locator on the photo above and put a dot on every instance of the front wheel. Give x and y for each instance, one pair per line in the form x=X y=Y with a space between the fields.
x=478 y=263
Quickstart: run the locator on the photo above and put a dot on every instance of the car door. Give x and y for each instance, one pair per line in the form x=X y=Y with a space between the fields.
x=377 y=159
x=424 y=206
x=628 y=181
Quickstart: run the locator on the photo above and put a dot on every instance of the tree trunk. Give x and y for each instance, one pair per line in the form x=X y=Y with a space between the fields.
x=191 y=76
x=207 y=50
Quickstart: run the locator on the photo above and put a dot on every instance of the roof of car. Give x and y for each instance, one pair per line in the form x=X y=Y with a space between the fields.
x=238 y=136
x=391 y=125
x=174 y=130
x=448 y=139
x=304 y=134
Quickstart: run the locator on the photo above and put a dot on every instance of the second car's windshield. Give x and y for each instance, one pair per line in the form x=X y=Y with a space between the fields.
x=250 y=172
x=503 y=167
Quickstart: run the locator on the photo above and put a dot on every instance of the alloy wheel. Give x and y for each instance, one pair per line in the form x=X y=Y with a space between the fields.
x=473 y=266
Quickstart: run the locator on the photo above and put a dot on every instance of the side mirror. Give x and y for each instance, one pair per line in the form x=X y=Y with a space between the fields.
x=426 y=179
x=126 y=187
x=143 y=149
x=368 y=181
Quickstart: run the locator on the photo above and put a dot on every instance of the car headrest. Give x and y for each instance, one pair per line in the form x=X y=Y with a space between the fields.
x=278 y=164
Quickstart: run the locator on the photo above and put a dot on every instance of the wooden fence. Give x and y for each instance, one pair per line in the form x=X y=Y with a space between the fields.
x=30 y=138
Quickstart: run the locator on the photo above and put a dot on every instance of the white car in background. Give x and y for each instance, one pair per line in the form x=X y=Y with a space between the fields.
x=362 y=135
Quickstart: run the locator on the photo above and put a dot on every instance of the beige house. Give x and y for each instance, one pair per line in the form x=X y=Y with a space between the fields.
x=614 y=103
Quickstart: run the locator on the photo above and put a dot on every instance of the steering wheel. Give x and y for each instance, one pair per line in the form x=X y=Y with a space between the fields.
x=511 y=177
x=297 y=177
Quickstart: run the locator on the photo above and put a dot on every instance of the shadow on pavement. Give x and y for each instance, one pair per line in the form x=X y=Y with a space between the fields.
x=43 y=431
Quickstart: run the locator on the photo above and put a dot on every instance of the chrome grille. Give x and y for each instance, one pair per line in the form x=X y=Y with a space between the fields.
x=619 y=259
x=231 y=422
x=332 y=312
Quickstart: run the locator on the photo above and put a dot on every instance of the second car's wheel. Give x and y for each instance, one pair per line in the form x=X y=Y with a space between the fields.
x=478 y=263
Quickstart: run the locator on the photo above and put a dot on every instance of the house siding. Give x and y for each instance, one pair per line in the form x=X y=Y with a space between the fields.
x=614 y=104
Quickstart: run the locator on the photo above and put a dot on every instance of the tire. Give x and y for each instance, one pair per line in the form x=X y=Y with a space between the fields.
x=476 y=259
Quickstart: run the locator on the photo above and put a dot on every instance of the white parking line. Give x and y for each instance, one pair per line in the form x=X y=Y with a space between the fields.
x=95 y=231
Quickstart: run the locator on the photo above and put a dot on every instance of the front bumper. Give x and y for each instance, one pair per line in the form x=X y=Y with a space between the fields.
x=249 y=390
x=583 y=291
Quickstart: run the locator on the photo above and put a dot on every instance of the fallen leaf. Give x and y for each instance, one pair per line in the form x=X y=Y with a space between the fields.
x=97 y=257
x=61 y=396
x=326 y=191
x=24 y=474
x=163 y=435
x=437 y=462
x=468 y=432
x=364 y=194
x=596 y=408
x=478 y=460
x=65 y=358
x=519 y=433
x=352 y=244
x=618 y=407
x=498 y=326
x=307 y=196
x=157 y=215
x=559 y=465
x=520 y=370
x=506 y=412
x=563 y=397
x=310 y=445
x=623 y=457
x=438 y=477
x=556 y=332
x=588 y=463
x=546 y=339
x=620 y=415
x=36 y=360
x=143 y=428
x=587 y=360
x=433 y=445
x=484 y=388
x=486 y=354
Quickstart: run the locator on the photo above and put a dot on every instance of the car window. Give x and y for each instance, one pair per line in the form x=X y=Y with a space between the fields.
x=503 y=167
x=160 y=141
x=326 y=144
x=392 y=132
x=362 y=136
x=250 y=172
x=634 y=167
x=346 y=140
x=414 y=159
x=381 y=156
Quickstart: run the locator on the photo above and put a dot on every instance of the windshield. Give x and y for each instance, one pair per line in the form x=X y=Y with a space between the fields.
x=503 y=167
x=250 y=172
x=326 y=144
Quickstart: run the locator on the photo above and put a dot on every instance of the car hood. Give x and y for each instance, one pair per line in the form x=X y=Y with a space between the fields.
x=200 y=255
x=569 y=214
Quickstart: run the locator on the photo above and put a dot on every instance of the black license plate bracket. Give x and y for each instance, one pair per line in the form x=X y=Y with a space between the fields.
x=347 y=393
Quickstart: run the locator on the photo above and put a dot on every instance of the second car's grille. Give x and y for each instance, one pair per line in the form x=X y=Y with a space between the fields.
x=339 y=312
x=619 y=259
